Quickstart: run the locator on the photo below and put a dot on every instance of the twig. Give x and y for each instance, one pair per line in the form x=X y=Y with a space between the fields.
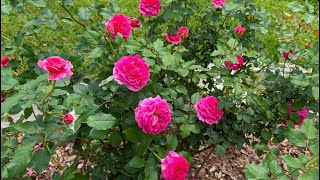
x=86 y=156
x=205 y=160
x=71 y=15
x=199 y=151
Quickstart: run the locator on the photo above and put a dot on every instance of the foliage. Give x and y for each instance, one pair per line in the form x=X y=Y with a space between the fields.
x=106 y=134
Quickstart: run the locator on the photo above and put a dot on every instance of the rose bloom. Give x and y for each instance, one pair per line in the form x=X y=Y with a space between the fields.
x=239 y=30
x=207 y=110
x=149 y=7
x=119 y=23
x=173 y=38
x=183 y=31
x=4 y=61
x=235 y=66
x=131 y=71
x=286 y=54
x=174 y=167
x=303 y=113
x=57 y=67
x=68 y=118
x=219 y=2
x=153 y=115
x=134 y=23
x=308 y=44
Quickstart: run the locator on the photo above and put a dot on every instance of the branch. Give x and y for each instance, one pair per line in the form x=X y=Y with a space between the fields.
x=62 y=5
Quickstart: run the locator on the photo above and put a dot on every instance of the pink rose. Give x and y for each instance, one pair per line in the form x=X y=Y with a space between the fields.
x=153 y=115
x=286 y=54
x=134 y=23
x=149 y=7
x=57 y=67
x=174 y=167
x=235 y=66
x=207 y=110
x=303 y=113
x=183 y=31
x=308 y=44
x=219 y=2
x=173 y=38
x=131 y=71
x=119 y=23
x=239 y=30
x=4 y=61
x=68 y=118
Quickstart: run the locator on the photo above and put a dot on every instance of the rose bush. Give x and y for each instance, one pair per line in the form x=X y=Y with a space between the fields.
x=145 y=100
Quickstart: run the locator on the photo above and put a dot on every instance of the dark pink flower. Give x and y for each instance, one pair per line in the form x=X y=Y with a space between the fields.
x=183 y=31
x=68 y=118
x=135 y=23
x=239 y=30
x=286 y=54
x=131 y=71
x=149 y=7
x=173 y=38
x=121 y=24
x=207 y=110
x=174 y=167
x=57 y=67
x=220 y=3
x=303 y=113
x=4 y=61
x=235 y=66
x=153 y=115
x=308 y=44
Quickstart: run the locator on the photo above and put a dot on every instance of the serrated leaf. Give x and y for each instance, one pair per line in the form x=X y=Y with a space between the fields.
x=8 y=83
x=309 y=129
x=96 y=53
x=101 y=121
x=296 y=137
x=38 y=3
x=26 y=127
x=115 y=139
x=185 y=130
x=7 y=8
x=183 y=72
x=92 y=37
x=40 y=160
x=80 y=89
x=21 y=157
x=136 y=162
x=295 y=7
x=195 y=98
x=132 y=134
x=84 y=13
x=220 y=150
x=168 y=59
x=217 y=52
x=10 y=102
x=315 y=93
x=259 y=172
x=291 y=161
x=98 y=134
x=172 y=142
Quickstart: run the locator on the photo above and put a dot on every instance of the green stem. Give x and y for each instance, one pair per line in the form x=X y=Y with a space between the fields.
x=313 y=160
x=50 y=91
x=113 y=51
x=154 y=153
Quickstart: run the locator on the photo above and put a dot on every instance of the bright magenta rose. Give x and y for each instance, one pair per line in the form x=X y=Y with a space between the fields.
x=183 y=31
x=303 y=113
x=173 y=38
x=286 y=54
x=4 y=61
x=57 y=67
x=207 y=110
x=235 y=66
x=239 y=30
x=153 y=115
x=174 y=167
x=68 y=118
x=131 y=71
x=134 y=23
x=119 y=23
x=149 y=7
x=220 y=3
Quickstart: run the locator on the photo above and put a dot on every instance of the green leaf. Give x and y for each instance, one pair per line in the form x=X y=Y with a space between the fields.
x=22 y=156
x=220 y=150
x=195 y=98
x=59 y=92
x=185 y=130
x=275 y=168
x=172 y=142
x=295 y=7
x=148 y=53
x=182 y=89
x=10 y=102
x=315 y=93
x=309 y=129
x=101 y=121
x=136 y=162
x=92 y=37
x=80 y=89
x=230 y=6
x=296 y=137
x=232 y=43
x=259 y=172
x=40 y=160
x=7 y=8
x=217 y=52
x=8 y=83
x=115 y=139
x=38 y=3
x=261 y=146
x=183 y=72
x=310 y=7
x=132 y=134
x=84 y=13
x=291 y=161
x=308 y=18
x=96 y=53
x=26 y=127
x=167 y=60
x=98 y=134
x=119 y=39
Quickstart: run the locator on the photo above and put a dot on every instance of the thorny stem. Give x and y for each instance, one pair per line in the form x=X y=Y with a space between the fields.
x=205 y=160
x=86 y=156
x=154 y=153
x=62 y=5
x=113 y=51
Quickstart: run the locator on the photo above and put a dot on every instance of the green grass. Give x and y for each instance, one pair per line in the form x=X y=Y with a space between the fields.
x=11 y=24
